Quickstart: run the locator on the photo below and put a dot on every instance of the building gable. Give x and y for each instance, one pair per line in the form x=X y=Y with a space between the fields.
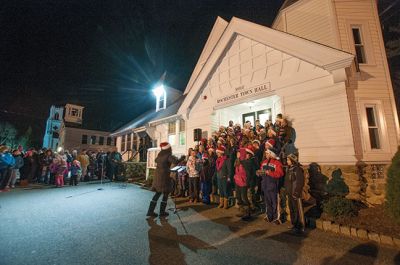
x=249 y=55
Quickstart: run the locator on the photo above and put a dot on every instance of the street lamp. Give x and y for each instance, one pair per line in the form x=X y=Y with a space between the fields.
x=159 y=91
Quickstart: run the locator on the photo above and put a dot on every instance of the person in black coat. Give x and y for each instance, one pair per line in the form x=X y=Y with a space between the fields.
x=162 y=183
x=294 y=184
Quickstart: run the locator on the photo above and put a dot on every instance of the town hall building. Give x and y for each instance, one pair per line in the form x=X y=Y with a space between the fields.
x=322 y=63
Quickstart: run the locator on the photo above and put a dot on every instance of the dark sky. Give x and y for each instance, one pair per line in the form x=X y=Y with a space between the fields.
x=104 y=55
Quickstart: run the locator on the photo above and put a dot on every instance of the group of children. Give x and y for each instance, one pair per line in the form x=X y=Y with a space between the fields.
x=246 y=167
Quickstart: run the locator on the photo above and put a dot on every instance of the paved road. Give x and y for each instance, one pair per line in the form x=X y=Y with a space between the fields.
x=84 y=225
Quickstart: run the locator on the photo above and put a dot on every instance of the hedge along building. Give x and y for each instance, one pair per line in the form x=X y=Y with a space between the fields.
x=323 y=64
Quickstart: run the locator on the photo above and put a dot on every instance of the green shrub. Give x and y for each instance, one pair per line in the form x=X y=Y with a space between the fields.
x=336 y=186
x=134 y=169
x=393 y=188
x=340 y=207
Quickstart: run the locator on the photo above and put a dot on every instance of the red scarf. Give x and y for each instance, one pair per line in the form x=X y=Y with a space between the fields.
x=220 y=162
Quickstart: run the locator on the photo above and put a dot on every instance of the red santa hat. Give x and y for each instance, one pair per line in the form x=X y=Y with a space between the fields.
x=250 y=149
x=270 y=143
x=165 y=146
x=221 y=149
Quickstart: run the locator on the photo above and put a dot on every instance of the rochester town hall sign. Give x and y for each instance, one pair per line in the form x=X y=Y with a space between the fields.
x=242 y=92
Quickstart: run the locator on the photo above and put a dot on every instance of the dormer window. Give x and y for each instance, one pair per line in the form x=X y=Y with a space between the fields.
x=74 y=112
x=161 y=97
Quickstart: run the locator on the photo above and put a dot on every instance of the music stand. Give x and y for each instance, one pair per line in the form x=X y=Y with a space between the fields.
x=177 y=170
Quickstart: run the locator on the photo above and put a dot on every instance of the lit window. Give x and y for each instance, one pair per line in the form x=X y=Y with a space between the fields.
x=373 y=128
x=171 y=132
x=172 y=127
x=129 y=142
x=359 y=45
x=123 y=143
x=74 y=112
x=182 y=134
x=134 y=141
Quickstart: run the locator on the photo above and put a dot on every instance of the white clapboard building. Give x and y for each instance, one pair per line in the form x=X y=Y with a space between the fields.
x=323 y=64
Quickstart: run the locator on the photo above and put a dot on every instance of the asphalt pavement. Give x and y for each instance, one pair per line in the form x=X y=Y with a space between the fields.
x=106 y=224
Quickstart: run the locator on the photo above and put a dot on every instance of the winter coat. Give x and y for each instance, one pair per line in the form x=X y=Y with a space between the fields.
x=294 y=181
x=162 y=180
x=75 y=170
x=273 y=167
x=191 y=167
x=19 y=162
x=222 y=167
x=84 y=160
x=58 y=167
x=6 y=160
x=209 y=169
x=240 y=172
x=250 y=165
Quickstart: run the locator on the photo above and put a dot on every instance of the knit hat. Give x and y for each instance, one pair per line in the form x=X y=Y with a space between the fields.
x=273 y=152
x=293 y=158
x=165 y=146
x=221 y=149
x=256 y=141
x=270 y=143
x=250 y=149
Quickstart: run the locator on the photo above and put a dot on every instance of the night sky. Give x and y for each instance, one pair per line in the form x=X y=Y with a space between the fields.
x=104 y=55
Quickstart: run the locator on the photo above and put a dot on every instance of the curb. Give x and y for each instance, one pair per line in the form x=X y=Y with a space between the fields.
x=353 y=232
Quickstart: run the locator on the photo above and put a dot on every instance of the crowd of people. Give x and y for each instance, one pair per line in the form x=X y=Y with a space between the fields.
x=55 y=168
x=251 y=168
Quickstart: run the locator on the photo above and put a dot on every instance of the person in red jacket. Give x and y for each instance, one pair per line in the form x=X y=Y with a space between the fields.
x=271 y=171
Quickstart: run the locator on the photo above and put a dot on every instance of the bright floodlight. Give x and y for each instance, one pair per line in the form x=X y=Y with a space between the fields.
x=159 y=91
x=59 y=149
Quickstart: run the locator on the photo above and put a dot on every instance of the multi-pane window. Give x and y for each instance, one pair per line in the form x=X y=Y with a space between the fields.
x=84 y=139
x=93 y=139
x=129 y=142
x=373 y=128
x=123 y=143
x=171 y=132
x=134 y=141
x=101 y=140
x=182 y=134
x=109 y=140
x=359 y=45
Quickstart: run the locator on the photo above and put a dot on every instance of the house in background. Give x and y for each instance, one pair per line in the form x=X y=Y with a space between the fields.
x=323 y=64
x=65 y=130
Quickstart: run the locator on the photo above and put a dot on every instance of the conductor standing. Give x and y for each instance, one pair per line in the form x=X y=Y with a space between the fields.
x=162 y=183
